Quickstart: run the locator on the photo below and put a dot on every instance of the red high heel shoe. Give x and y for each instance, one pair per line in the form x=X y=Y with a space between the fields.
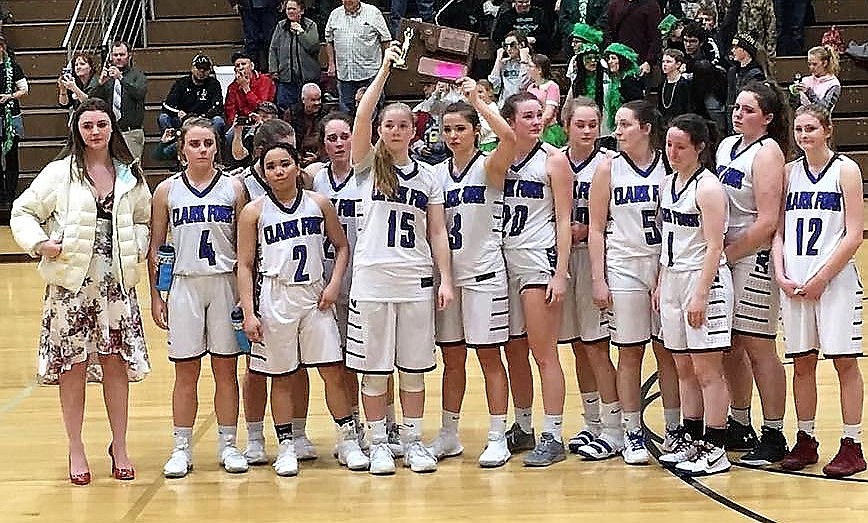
x=82 y=478
x=123 y=474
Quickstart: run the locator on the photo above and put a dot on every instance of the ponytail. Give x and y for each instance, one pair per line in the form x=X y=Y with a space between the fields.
x=772 y=100
x=701 y=132
x=829 y=55
x=385 y=178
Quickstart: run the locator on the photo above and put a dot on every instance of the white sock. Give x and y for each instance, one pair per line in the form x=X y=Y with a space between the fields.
x=806 y=426
x=185 y=433
x=611 y=416
x=497 y=423
x=254 y=431
x=377 y=431
x=742 y=416
x=591 y=404
x=672 y=417
x=853 y=432
x=632 y=421
x=298 y=427
x=552 y=425
x=413 y=429
x=449 y=421
x=390 y=413
x=226 y=435
x=524 y=418
x=776 y=424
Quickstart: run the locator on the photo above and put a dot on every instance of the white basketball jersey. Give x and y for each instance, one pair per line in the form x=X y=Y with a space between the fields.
x=474 y=217
x=291 y=240
x=392 y=260
x=346 y=198
x=529 y=210
x=814 y=218
x=583 y=174
x=735 y=171
x=633 y=230
x=255 y=185
x=202 y=225
x=684 y=244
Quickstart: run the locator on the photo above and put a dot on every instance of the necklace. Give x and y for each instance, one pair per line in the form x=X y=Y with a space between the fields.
x=667 y=105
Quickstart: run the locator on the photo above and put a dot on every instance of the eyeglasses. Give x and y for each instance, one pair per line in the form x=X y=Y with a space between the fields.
x=507 y=45
x=335 y=137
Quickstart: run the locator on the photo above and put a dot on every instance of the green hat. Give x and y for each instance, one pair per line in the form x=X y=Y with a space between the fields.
x=665 y=26
x=586 y=48
x=628 y=54
x=587 y=33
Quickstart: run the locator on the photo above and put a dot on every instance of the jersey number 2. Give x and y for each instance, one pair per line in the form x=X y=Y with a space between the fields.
x=299 y=254
x=206 y=250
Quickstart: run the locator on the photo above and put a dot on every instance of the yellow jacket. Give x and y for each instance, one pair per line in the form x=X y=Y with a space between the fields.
x=60 y=205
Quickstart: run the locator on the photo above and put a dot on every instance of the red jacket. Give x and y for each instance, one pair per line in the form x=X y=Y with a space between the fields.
x=262 y=89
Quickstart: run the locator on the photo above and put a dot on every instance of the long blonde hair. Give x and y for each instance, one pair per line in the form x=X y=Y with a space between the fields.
x=385 y=178
x=829 y=56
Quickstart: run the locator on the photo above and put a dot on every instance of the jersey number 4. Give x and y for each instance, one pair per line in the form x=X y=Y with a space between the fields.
x=406 y=224
x=206 y=249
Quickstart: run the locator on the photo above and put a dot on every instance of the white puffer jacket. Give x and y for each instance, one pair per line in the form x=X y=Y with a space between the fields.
x=59 y=204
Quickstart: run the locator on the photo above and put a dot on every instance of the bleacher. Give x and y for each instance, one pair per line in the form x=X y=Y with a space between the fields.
x=181 y=29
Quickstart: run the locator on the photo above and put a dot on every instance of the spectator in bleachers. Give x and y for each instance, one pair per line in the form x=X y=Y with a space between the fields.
x=398 y=8
x=530 y=20
x=624 y=84
x=258 y=19
x=580 y=35
x=509 y=74
x=246 y=92
x=431 y=147
x=487 y=139
x=548 y=93
x=243 y=146
x=467 y=15
x=305 y=117
x=707 y=73
x=75 y=86
x=822 y=86
x=587 y=77
x=13 y=86
x=670 y=33
x=752 y=17
x=194 y=94
x=672 y=7
x=707 y=18
x=634 y=24
x=675 y=93
x=124 y=87
x=749 y=65
x=593 y=13
x=356 y=35
x=293 y=58
x=790 y=17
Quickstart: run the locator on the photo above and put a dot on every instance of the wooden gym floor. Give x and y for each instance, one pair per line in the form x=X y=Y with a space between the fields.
x=34 y=487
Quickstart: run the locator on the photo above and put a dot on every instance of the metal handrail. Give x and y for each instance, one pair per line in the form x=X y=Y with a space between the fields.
x=103 y=21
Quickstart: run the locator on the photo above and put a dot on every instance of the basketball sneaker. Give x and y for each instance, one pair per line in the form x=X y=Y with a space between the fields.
x=635 y=452
x=393 y=435
x=304 y=448
x=349 y=453
x=583 y=437
x=181 y=460
x=739 y=437
x=772 y=448
x=418 y=458
x=804 y=452
x=547 y=452
x=670 y=438
x=708 y=460
x=446 y=445
x=286 y=463
x=683 y=448
x=518 y=440
x=255 y=452
x=847 y=461
x=604 y=447
x=382 y=461
x=232 y=460
x=496 y=452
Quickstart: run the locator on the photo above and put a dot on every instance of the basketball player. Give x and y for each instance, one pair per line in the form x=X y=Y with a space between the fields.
x=750 y=165
x=478 y=318
x=401 y=233
x=694 y=295
x=819 y=233
x=199 y=207
x=584 y=325
x=536 y=245
x=286 y=230
x=624 y=246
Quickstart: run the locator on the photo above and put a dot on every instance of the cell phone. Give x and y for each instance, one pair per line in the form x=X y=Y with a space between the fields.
x=66 y=74
x=242 y=120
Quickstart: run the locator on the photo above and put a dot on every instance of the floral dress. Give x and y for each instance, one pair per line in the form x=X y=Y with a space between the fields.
x=100 y=318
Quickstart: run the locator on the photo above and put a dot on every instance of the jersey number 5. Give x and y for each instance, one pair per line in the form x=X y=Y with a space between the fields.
x=649 y=223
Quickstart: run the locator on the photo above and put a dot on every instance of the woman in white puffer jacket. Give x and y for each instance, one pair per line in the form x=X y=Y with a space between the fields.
x=86 y=215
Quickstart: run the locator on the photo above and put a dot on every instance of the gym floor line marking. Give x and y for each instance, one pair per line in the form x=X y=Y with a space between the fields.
x=13 y=402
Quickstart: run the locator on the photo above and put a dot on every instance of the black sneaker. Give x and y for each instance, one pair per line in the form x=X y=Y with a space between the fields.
x=739 y=437
x=518 y=440
x=772 y=448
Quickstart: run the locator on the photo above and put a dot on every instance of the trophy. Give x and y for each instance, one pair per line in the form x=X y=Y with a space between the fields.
x=401 y=62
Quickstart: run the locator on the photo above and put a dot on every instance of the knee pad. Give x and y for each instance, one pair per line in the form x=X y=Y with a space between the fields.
x=411 y=381
x=375 y=385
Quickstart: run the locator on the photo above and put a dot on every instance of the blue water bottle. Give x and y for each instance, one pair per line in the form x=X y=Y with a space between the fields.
x=238 y=324
x=165 y=263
